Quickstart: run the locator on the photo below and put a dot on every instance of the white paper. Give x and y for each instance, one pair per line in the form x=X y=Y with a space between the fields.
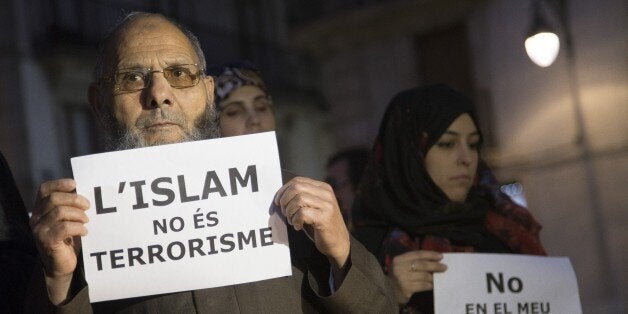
x=188 y=222
x=505 y=284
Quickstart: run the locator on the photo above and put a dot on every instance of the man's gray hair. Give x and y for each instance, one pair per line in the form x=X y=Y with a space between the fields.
x=101 y=58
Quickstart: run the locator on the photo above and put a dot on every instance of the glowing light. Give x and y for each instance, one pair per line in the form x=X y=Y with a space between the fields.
x=542 y=48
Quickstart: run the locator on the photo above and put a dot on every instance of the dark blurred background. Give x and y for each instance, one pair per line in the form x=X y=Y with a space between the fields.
x=558 y=135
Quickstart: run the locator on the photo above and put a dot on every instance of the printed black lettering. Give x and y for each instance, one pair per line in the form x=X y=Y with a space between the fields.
x=176 y=224
x=184 y=194
x=198 y=221
x=515 y=285
x=160 y=225
x=491 y=280
x=154 y=251
x=116 y=255
x=251 y=174
x=168 y=193
x=212 y=245
x=207 y=188
x=170 y=250
x=139 y=194
x=98 y=256
x=243 y=239
x=475 y=308
x=266 y=236
x=211 y=219
x=195 y=246
x=227 y=239
x=135 y=255
x=98 y=199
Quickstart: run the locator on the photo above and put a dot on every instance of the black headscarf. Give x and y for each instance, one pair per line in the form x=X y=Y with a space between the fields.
x=396 y=189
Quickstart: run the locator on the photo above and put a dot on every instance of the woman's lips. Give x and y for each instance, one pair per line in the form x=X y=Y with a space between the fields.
x=461 y=178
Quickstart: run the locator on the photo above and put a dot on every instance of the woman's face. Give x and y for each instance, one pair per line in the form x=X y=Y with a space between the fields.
x=453 y=160
x=247 y=110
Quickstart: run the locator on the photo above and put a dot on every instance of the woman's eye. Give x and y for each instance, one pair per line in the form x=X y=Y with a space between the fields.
x=446 y=144
x=232 y=112
x=261 y=105
x=474 y=146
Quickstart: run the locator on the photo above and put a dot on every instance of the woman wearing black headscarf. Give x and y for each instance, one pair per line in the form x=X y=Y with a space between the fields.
x=426 y=191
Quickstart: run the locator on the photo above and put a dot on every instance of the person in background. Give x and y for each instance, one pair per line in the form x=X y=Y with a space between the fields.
x=242 y=100
x=426 y=191
x=344 y=170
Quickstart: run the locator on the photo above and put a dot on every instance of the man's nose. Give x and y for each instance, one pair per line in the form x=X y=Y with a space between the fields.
x=158 y=91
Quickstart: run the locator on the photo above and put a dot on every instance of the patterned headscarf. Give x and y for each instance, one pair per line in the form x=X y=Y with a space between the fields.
x=233 y=76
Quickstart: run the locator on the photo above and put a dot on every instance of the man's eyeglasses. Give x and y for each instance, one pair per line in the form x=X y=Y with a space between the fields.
x=131 y=80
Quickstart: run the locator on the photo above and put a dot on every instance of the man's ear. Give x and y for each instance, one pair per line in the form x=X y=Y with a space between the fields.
x=208 y=80
x=95 y=101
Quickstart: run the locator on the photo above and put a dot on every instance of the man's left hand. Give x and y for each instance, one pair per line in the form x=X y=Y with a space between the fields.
x=311 y=204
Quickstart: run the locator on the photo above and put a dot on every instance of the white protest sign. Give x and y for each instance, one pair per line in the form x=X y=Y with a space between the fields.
x=505 y=284
x=182 y=217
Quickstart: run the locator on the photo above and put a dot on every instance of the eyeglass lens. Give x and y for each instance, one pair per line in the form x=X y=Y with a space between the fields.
x=179 y=76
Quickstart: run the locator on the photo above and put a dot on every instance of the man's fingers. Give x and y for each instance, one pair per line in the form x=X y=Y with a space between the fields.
x=67 y=229
x=64 y=213
x=69 y=199
x=60 y=202
x=303 y=200
x=60 y=185
x=305 y=216
x=57 y=199
x=302 y=185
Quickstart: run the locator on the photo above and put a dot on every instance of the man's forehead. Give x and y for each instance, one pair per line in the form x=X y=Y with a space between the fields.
x=152 y=34
x=144 y=24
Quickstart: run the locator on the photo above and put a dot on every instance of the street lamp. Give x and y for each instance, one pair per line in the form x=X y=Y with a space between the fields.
x=542 y=43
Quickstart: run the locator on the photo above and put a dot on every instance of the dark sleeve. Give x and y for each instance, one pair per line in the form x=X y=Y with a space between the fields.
x=37 y=301
x=17 y=248
x=365 y=288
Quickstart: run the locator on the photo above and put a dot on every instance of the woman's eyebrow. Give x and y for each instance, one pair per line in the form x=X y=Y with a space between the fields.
x=233 y=103
x=449 y=132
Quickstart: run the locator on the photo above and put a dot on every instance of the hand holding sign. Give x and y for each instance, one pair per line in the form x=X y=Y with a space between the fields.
x=411 y=272
x=58 y=222
x=177 y=211
x=306 y=202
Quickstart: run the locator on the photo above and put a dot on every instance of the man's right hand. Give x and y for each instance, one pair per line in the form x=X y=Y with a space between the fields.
x=58 y=223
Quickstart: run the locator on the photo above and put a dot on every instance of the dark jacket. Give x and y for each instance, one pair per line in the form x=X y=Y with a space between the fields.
x=17 y=248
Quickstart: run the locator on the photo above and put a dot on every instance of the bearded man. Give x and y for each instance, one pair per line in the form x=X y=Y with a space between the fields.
x=149 y=89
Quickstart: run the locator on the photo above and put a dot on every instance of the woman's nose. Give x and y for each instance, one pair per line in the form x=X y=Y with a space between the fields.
x=253 y=118
x=465 y=154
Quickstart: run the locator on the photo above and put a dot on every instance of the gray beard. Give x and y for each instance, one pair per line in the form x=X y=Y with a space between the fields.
x=118 y=137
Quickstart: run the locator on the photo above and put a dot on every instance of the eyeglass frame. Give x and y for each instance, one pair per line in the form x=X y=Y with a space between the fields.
x=147 y=76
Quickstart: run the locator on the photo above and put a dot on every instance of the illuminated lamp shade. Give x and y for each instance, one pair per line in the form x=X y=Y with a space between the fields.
x=542 y=48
